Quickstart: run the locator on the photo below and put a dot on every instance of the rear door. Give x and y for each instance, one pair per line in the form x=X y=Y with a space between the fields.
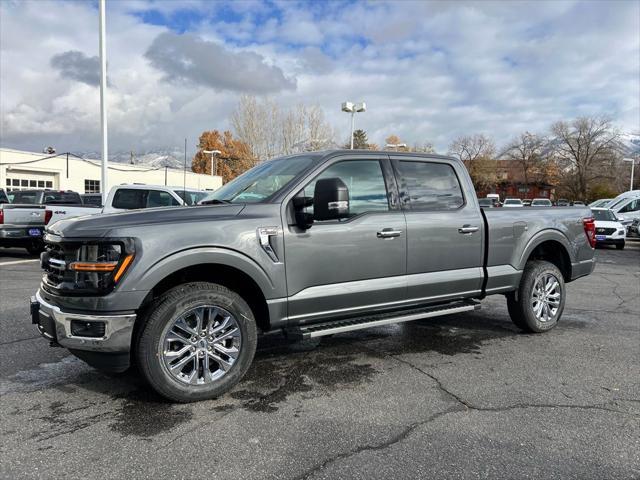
x=345 y=267
x=444 y=230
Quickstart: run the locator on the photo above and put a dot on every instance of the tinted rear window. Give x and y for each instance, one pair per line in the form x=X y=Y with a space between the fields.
x=431 y=186
x=61 y=198
x=25 y=197
x=129 y=199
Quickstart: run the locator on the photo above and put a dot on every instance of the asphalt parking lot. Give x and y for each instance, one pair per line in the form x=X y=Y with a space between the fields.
x=463 y=396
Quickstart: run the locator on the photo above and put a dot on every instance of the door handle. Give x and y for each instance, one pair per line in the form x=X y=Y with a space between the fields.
x=389 y=233
x=468 y=229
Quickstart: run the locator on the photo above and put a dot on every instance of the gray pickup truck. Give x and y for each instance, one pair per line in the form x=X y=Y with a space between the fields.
x=310 y=245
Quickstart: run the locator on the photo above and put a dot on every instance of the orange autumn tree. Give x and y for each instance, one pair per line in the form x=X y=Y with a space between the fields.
x=234 y=159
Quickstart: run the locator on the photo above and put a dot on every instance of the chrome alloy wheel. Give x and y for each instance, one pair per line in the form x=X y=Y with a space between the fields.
x=201 y=345
x=545 y=297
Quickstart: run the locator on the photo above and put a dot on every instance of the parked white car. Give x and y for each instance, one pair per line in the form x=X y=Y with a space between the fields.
x=513 y=203
x=609 y=231
x=626 y=206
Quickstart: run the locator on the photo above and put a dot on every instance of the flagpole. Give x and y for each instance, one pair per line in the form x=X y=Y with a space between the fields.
x=103 y=103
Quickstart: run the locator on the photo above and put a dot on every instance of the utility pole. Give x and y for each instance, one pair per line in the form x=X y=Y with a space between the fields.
x=104 y=187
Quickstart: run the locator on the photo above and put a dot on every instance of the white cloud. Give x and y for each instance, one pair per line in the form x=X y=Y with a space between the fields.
x=429 y=71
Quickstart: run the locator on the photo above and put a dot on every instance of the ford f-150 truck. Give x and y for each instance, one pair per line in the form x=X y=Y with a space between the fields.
x=311 y=244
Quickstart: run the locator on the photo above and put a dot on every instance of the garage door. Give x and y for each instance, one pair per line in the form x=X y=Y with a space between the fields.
x=21 y=180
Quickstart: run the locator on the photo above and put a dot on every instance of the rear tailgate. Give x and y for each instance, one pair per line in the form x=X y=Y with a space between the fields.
x=61 y=212
x=23 y=215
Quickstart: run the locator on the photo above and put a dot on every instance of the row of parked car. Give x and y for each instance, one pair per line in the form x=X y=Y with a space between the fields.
x=615 y=218
x=25 y=213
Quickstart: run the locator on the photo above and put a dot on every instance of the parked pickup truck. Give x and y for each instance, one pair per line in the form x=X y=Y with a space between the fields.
x=22 y=221
x=312 y=244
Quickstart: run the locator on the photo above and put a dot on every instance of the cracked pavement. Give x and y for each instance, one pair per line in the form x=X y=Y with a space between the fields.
x=462 y=396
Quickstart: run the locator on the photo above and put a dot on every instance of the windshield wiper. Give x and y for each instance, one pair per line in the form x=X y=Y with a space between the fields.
x=213 y=201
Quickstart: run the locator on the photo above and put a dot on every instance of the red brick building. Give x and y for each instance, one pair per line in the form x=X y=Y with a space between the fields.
x=511 y=183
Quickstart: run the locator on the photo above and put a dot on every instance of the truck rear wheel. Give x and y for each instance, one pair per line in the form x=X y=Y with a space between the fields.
x=539 y=302
x=198 y=341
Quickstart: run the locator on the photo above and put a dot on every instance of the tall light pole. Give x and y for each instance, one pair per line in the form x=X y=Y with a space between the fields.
x=353 y=108
x=633 y=162
x=213 y=156
x=103 y=103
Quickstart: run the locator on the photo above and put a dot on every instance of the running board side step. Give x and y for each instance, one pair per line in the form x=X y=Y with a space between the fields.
x=304 y=332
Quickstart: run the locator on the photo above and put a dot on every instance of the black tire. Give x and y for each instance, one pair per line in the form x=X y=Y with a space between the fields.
x=620 y=246
x=520 y=304
x=162 y=314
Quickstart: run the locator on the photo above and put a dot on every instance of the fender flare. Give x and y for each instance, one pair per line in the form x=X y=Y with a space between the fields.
x=541 y=237
x=207 y=255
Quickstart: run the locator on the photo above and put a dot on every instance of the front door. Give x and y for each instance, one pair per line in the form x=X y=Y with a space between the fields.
x=344 y=267
x=444 y=231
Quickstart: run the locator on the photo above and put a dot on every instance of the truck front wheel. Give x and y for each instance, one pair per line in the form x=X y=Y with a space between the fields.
x=197 y=342
x=538 y=304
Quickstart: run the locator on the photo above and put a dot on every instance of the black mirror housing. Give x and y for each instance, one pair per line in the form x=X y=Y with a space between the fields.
x=330 y=199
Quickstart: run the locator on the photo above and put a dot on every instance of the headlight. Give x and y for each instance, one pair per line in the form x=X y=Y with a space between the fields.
x=620 y=232
x=86 y=267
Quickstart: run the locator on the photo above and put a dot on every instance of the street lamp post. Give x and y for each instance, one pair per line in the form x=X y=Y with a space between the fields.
x=353 y=108
x=633 y=163
x=213 y=156
x=103 y=102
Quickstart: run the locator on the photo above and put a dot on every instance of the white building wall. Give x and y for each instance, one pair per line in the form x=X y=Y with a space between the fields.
x=57 y=173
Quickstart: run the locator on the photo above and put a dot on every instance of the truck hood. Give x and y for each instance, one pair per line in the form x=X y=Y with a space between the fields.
x=99 y=225
x=608 y=224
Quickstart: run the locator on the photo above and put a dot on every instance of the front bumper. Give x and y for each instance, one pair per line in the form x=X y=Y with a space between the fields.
x=55 y=325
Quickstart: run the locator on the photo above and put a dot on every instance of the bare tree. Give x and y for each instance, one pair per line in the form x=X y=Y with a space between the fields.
x=426 y=147
x=477 y=153
x=270 y=130
x=528 y=150
x=587 y=149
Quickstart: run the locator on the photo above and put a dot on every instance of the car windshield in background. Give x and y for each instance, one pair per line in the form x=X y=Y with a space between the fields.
x=541 y=203
x=191 y=198
x=259 y=183
x=511 y=201
x=604 y=215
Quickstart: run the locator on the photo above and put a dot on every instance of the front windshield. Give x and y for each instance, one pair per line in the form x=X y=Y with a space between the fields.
x=260 y=182
x=512 y=201
x=604 y=215
x=541 y=202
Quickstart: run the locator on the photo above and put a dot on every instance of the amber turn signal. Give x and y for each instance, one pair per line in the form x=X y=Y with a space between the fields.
x=125 y=264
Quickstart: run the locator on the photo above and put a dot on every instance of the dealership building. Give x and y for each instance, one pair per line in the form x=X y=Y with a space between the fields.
x=20 y=170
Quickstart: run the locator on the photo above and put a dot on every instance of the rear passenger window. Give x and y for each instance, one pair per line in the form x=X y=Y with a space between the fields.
x=129 y=199
x=430 y=186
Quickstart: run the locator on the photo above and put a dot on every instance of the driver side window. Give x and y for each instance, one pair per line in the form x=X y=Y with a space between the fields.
x=365 y=181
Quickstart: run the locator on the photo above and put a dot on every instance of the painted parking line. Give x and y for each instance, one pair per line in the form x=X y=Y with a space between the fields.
x=15 y=262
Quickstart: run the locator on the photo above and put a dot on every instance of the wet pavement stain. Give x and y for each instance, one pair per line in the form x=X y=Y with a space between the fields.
x=275 y=377
x=145 y=414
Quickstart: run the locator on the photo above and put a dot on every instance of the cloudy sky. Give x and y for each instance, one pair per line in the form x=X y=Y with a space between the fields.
x=429 y=71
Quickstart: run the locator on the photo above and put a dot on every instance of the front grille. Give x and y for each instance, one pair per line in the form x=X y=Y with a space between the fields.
x=56 y=258
x=605 y=231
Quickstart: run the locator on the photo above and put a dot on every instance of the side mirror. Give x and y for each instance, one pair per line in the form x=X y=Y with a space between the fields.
x=330 y=199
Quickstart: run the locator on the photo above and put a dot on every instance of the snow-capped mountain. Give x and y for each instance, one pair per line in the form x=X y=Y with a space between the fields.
x=630 y=143
x=156 y=158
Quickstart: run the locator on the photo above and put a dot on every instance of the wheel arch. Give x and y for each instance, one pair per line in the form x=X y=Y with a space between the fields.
x=225 y=267
x=552 y=247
